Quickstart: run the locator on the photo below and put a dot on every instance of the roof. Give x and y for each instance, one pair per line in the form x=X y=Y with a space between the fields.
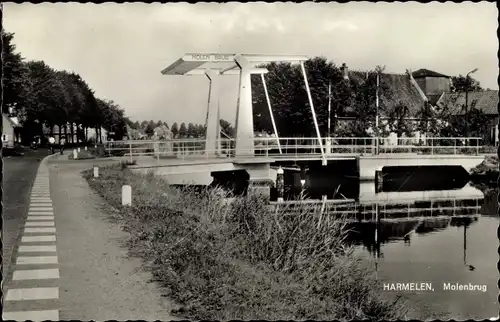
x=12 y=120
x=403 y=91
x=427 y=73
x=485 y=101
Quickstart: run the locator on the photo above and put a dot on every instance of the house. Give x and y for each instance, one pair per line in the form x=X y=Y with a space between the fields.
x=432 y=84
x=10 y=133
x=416 y=89
x=404 y=91
x=485 y=101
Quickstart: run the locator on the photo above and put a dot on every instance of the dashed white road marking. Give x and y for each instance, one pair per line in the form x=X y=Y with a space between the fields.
x=40 y=230
x=39 y=237
x=36 y=316
x=36 y=260
x=40 y=218
x=40 y=213
x=40 y=224
x=45 y=208
x=36 y=293
x=41 y=204
x=37 y=249
x=36 y=274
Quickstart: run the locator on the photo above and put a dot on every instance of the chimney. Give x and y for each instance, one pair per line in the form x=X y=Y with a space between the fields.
x=345 y=71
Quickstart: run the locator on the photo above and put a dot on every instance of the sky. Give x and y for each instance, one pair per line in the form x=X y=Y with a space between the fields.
x=120 y=49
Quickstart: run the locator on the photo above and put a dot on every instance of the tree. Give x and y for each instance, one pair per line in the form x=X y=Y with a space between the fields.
x=191 y=130
x=183 y=130
x=478 y=125
x=289 y=100
x=159 y=123
x=431 y=119
x=175 y=129
x=13 y=75
x=397 y=122
x=150 y=128
x=363 y=101
x=113 y=119
x=461 y=84
x=40 y=95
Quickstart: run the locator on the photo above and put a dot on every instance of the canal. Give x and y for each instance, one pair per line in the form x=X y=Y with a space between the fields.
x=430 y=231
x=442 y=250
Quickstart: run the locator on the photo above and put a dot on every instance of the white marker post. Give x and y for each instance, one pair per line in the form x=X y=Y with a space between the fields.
x=78 y=150
x=85 y=148
x=126 y=195
x=96 y=172
x=75 y=154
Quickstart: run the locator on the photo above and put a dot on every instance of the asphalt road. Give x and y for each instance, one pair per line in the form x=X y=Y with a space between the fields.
x=18 y=175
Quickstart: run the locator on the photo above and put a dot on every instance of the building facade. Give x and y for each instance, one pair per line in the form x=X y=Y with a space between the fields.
x=10 y=135
x=421 y=89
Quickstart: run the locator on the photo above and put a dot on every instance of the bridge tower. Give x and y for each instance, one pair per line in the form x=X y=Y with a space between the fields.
x=243 y=65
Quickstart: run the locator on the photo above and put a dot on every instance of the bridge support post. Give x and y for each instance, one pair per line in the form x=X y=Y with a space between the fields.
x=244 y=114
x=213 y=126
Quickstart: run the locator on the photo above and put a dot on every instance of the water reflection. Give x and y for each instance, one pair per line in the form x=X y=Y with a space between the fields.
x=439 y=232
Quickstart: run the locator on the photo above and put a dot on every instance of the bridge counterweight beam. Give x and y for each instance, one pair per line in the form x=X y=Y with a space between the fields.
x=271 y=111
x=324 y=161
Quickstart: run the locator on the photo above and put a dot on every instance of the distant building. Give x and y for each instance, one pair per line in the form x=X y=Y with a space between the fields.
x=485 y=101
x=432 y=84
x=59 y=133
x=414 y=89
x=405 y=91
x=10 y=134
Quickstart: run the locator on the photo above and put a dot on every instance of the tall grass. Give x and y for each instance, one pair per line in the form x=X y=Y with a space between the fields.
x=240 y=259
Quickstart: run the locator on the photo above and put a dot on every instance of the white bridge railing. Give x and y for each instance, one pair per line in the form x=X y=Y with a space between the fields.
x=298 y=147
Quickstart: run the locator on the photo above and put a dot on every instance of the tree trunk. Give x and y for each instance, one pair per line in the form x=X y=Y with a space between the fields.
x=86 y=134
x=42 y=136
x=72 y=130
x=60 y=132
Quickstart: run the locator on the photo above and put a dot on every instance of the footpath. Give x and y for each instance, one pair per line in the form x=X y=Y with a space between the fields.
x=71 y=262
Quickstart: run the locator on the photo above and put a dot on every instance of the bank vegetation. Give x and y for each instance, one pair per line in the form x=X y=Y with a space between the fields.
x=224 y=260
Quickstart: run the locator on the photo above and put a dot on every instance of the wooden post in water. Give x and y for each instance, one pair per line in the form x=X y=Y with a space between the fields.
x=280 y=184
x=378 y=180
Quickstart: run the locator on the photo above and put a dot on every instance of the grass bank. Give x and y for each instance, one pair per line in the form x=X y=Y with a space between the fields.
x=240 y=260
x=82 y=155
